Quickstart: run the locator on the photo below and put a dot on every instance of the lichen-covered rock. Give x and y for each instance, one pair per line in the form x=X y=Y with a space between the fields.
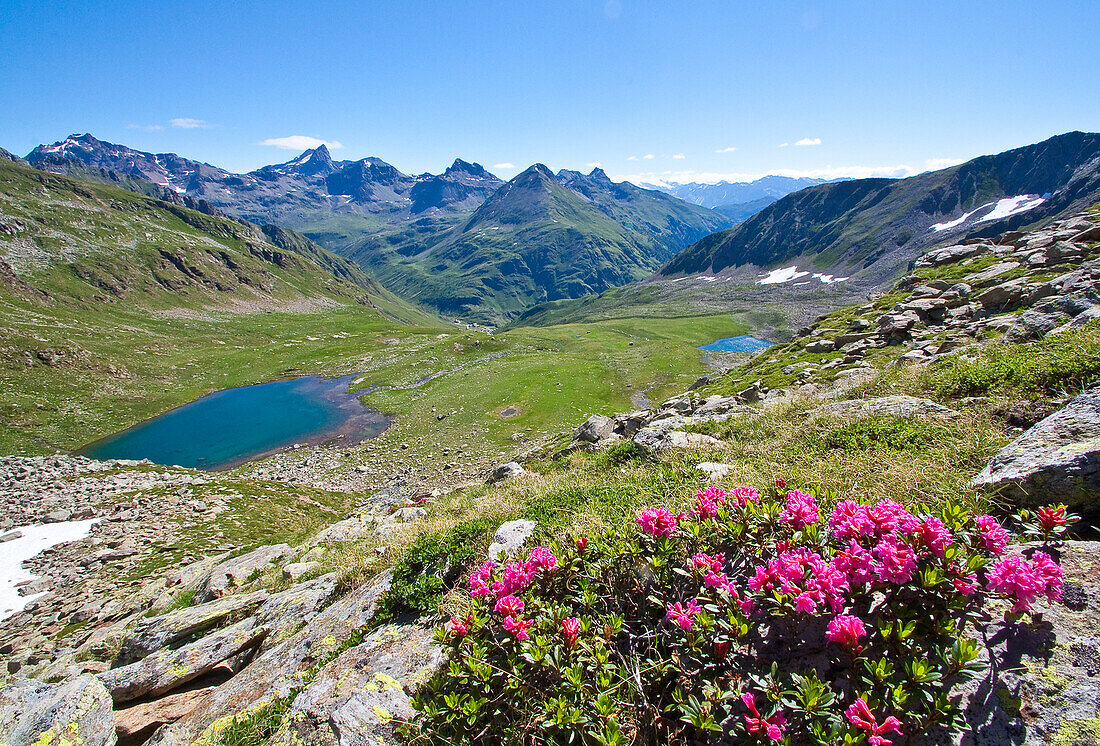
x=1056 y=461
x=143 y=718
x=168 y=669
x=287 y=612
x=1040 y=682
x=278 y=672
x=356 y=699
x=234 y=572
x=182 y=625
x=78 y=711
x=507 y=471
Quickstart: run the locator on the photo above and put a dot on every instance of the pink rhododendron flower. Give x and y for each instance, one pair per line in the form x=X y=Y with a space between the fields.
x=781 y=483
x=716 y=580
x=888 y=516
x=805 y=603
x=896 y=560
x=801 y=510
x=658 y=521
x=509 y=606
x=747 y=606
x=855 y=563
x=1024 y=582
x=542 y=558
x=1052 y=517
x=739 y=496
x=479 y=578
x=681 y=614
x=459 y=628
x=772 y=726
x=846 y=630
x=712 y=494
x=517 y=576
x=570 y=630
x=518 y=627
x=966 y=586
x=934 y=535
x=703 y=561
x=582 y=543
x=860 y=715
x=993 y=537
x=849 y=520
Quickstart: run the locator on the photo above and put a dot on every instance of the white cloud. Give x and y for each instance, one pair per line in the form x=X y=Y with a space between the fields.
x=935 y=164
x=710 y=177
x=730 y=149
x=808 y=141
x=187 y=123
x=504 y=166
x=593 y=164
x=784 y=144
x=144 y=127
x=649 y=156
x=300 y=142
x=678 y=157
x=632 y=158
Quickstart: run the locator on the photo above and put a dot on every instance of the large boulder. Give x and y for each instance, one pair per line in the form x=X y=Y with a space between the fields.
x=78 y=711
x=167 y=669
x=595 y=428
x=1056 y=461
x=233 y=573
x=278 y=673
x=359 y=697
x=183 y=625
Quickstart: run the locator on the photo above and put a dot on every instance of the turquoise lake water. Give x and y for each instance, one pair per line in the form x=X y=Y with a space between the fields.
x=229 y=427
x=744 y=343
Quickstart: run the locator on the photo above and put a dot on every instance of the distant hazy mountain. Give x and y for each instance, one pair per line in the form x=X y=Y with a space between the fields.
x=740 y=192
x=462 y=241
x=876 y=226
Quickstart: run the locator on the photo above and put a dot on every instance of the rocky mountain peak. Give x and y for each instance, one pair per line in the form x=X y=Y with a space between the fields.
x=462 y=167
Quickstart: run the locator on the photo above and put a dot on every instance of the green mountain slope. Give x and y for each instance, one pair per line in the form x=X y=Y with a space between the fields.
x=872 y=228
x=537 y=238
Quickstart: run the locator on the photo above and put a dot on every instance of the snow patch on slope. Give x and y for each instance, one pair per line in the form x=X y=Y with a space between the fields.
x=35 y=539
x=1002 y=208
x=786 y=274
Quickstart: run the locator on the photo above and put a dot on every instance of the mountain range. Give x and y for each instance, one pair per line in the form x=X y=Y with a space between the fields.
x=722 y=193
x=462 y=241
x=870 y=229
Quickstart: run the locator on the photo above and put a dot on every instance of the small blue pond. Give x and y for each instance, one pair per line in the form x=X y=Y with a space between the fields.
x=229 y=427
x=744 y=343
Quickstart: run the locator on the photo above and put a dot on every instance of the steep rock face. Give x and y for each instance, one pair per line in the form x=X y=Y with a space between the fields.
x=878 y=225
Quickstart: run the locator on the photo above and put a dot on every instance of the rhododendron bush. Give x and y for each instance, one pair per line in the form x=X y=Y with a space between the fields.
x=785 y=617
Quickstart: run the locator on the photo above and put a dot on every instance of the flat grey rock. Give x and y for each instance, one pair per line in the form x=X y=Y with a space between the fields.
x=509 y=539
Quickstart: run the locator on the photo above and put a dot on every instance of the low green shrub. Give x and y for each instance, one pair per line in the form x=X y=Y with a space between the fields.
x=1060 y=364
x=756 y=618
x=432 y=565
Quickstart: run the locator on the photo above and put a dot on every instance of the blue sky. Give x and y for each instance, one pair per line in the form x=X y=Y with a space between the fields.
x=679 y=91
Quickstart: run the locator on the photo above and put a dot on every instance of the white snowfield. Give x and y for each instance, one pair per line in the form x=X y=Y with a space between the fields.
x=786 y=274
x=1002 y=208
x=35 y=539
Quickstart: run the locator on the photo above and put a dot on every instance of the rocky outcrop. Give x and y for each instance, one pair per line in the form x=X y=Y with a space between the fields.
x=78 y=711
x=1056 y=461
x=277 y=673
x=898 y=406
x=1039 y=683
x=363 y=693
x=234 y=572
